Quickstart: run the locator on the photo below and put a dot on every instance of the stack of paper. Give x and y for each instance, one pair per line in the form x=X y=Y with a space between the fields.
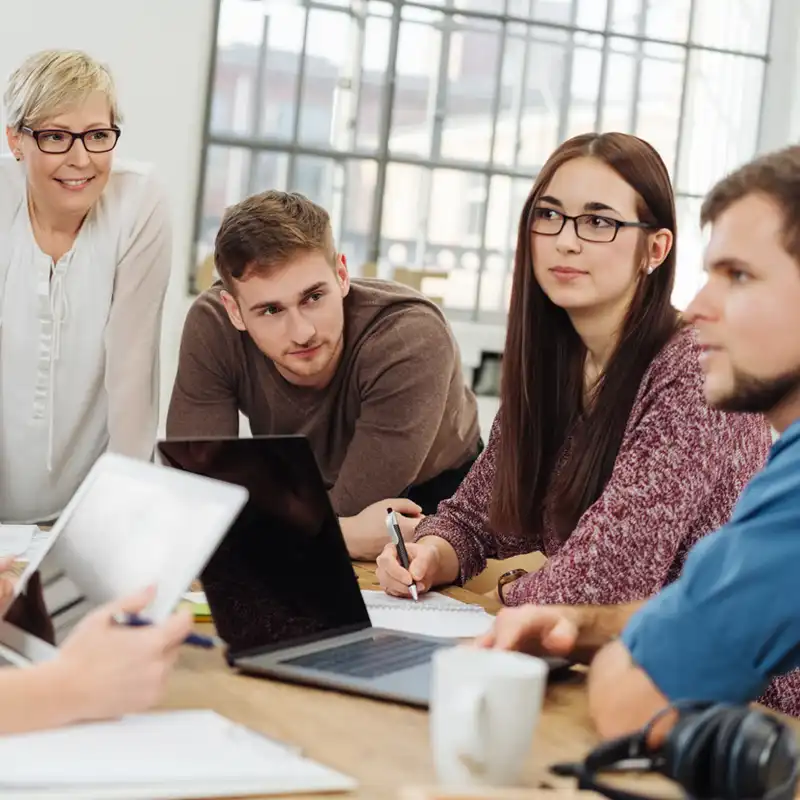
x=433 y=614
x=160 y=756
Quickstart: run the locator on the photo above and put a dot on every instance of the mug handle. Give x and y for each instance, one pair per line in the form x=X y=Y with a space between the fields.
x=471 y=720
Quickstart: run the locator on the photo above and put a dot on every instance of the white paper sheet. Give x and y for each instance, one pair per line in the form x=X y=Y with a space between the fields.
x=157 y=754
x=434 y=614
x=15 y=539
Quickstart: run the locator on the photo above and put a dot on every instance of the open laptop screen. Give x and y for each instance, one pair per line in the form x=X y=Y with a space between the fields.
x=282 y=573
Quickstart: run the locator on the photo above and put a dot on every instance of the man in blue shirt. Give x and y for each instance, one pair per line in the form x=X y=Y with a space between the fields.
x=730 y=624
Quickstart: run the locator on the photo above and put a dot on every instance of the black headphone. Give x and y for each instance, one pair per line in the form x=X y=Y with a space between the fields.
x=715 y=751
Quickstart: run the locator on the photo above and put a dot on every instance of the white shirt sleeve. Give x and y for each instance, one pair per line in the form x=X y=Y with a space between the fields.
x=133 y=330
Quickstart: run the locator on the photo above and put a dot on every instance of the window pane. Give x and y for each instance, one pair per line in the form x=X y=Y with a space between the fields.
x=354 y=221
x=375 y=60
x=621 y=86
x=452 y=194
x=658 y=113
x=460 y=225
x=584 y=13
x=238 y=45
x=521 y=8
x=627 y=16
x=227 y=170
x=489 y=6
x=689 y=276
x=592 y=14
x=667 y=20
x=327 y=102
x=454 y=237
x=546 y=70
x=507 y=197
x=270 y=173
x=721 y=124
x=403 y=233
x=512 y=102
x=313 y=177
x=732 y=24
x=226 y=176
x=415 y=90
x=587 y=59
x=471 y=78
x=243 y=25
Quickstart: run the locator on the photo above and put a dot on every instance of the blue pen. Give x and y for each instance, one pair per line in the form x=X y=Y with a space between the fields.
x=194 y=639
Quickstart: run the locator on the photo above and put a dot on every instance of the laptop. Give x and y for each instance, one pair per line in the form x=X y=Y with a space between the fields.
x=130 y=524
x=281 y=587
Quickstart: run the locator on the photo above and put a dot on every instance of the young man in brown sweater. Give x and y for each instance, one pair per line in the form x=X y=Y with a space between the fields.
x=369 y=371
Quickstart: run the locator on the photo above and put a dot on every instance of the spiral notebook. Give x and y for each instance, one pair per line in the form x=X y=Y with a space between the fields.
x=434 y=614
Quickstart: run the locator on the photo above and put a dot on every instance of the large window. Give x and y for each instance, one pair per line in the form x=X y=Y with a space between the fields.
x=420 y=125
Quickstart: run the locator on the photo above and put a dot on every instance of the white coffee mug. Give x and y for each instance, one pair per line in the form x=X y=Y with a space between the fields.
x=484 y=708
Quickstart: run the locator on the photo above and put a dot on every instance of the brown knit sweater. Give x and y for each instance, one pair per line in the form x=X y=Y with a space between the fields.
x=678 y=474
x=397 y=413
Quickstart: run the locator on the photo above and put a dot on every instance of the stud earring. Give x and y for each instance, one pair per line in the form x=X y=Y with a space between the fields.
x=650 y=269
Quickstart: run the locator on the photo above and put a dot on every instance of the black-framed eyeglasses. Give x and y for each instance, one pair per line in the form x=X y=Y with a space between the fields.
x=98 y=140
x=589 y=227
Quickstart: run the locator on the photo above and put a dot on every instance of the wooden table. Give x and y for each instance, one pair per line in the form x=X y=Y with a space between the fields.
x=384 y=746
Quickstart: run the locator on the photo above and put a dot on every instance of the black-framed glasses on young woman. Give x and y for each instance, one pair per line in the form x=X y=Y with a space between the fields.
x=589 y=227
x=98 y=140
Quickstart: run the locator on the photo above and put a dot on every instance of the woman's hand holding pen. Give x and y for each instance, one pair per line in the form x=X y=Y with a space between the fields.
x=422 y=568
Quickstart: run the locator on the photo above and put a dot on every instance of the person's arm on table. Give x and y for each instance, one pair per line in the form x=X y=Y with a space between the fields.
x=405 y=379
x=204 y=401
x=622 y=697
x=721 y=631
x=574 y=632
x=454 y=544
x=103 y=670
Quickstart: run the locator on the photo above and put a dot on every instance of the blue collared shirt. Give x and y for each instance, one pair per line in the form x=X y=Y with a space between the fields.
x=731 y=621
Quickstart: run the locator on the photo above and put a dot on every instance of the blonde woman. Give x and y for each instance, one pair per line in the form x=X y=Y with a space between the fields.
x=84 y=265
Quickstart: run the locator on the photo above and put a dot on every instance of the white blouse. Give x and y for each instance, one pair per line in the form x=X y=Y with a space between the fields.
x=79 y=367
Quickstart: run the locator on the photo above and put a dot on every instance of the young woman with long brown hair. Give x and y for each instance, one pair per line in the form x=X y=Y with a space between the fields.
x=604 y=455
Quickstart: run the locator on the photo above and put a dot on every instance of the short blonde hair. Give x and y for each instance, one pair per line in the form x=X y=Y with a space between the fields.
x=52 y=81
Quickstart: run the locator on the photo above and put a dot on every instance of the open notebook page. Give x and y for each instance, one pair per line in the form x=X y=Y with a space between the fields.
x=434 y=615
x=159 y=755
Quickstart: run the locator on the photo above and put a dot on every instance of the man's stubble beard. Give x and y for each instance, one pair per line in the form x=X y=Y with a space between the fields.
x=758 y=395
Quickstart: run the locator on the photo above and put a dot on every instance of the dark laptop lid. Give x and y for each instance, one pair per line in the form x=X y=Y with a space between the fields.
x=282 y=573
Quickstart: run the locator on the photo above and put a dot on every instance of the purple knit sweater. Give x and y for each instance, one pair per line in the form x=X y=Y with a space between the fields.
x=680 y=469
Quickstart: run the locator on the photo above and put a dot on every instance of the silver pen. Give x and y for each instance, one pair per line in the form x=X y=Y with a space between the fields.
x=397 y=538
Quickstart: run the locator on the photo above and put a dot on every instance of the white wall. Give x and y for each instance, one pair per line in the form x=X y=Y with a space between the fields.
x=158 y=51
x=780 y=108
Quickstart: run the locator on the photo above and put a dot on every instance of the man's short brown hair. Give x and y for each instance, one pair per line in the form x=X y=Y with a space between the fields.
x=776 y=176
x=266 y=231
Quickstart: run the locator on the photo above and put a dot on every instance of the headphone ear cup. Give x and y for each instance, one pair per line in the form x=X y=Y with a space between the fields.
x=688 y=751
x=724 y=767
x=762 y=762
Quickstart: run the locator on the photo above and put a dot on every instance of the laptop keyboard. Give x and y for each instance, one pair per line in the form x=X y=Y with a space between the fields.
x=369 y=658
